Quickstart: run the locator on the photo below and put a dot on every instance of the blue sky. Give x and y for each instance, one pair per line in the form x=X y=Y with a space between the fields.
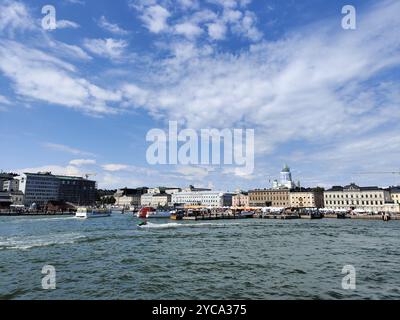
x=81 y=98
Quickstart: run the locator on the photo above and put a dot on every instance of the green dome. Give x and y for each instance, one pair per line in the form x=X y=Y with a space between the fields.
x=286 y=168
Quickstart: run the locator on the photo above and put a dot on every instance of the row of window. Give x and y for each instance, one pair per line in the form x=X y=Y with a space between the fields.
x=333 y=196
x=358 y=202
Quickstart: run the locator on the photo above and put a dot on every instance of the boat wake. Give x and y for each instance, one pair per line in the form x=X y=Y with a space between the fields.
x=173 y=225
x=24 y=219
x=29 y=242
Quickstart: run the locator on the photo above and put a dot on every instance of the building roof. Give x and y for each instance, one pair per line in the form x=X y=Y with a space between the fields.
x=354 y=187
x=286 y=168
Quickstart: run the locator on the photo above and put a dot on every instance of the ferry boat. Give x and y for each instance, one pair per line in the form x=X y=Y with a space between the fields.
x=85 y=213
x=158 y=214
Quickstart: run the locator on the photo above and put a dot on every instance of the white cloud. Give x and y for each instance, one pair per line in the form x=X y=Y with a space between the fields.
x=66 y=24
x=4 y=100
x=54 y=169
x=154 y=16
x=111 y=27
x=66 y=149
x=188 y=29
x=193 y=172
x=81 y=2
x=308 y=87
x=14 y=16
x=41 y=76
x=113 y=167
x=217 y=30
x=82 y=162
x=108 y=48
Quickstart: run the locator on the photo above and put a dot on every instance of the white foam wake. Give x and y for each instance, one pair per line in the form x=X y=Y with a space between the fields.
x=28 y=242
x=150 y=225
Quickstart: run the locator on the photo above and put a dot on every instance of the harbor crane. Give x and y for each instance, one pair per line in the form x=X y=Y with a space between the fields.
x=378 y=173
x=87 y=175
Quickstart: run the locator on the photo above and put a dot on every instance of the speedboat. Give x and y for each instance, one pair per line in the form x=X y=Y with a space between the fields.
x=86 y=213
x=158 y=214
x=142 y=223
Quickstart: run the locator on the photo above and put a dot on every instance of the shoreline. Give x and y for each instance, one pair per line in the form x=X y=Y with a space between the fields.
x=222 y=217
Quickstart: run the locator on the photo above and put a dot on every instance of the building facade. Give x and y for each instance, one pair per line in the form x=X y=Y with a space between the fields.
x=216 y=199
x=129 y=197
x=395 y=194
x=40 y=188
x=241 y=199
x=161 y=190
x=76 y=190
x=5 y=200
x=353 y=197
x=17 y=198
x=306 y=198
x=155 y=200
x=269 y=198
x=11 y=185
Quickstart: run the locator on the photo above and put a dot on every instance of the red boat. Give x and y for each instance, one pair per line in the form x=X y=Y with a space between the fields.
x=143 y=212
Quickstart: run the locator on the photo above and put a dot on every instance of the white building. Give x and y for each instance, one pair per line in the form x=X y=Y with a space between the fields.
x=353 y=197
x=38 y=188
x=126 y=197
x=11 y=185
x=155 y=200
x=161 y=190
x=286 y=181
x=203 y=198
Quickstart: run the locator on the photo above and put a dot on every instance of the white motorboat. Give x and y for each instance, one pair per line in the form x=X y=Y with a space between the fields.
x=247 y=214
x=158 y=214
x=86 y=213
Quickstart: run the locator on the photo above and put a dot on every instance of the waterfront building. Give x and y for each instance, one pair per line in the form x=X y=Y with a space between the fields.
x=192 y=189
x=17 y=198
x=203 y=198
x=269 y=198
x=285 y=181
x=76 y=190
x=38 y=188
x=129 y=197
x=11 y=185
x=241 y=199
x=161 y=190
x=4 y=177
x=306 y=198
x=42 y=187
x=155 y=200
x=5 y=200
x=395 y=194
x=353 y=197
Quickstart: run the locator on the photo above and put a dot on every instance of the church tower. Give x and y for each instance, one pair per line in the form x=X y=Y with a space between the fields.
x=286 y=178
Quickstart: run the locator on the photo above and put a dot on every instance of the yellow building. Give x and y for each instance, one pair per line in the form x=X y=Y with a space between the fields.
x=306 y=198
x=269 y=198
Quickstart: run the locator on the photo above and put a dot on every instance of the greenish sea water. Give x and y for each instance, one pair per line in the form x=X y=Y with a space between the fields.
x=111 y=258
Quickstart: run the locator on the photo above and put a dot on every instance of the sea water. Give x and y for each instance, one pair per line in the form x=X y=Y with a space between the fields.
x=113 y=258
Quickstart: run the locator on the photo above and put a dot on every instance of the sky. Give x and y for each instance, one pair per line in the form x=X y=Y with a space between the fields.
x=81 y=98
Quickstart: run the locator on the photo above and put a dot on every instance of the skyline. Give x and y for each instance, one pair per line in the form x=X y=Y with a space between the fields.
x=81 y=98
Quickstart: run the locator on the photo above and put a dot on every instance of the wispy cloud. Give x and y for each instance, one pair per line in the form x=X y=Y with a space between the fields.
x=67 y=149
x=82 y=162
x=66 y=24
x=111 y=27
x=109 y=48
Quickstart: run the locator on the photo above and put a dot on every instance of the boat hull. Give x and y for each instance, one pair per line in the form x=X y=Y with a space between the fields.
x=153 y=215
